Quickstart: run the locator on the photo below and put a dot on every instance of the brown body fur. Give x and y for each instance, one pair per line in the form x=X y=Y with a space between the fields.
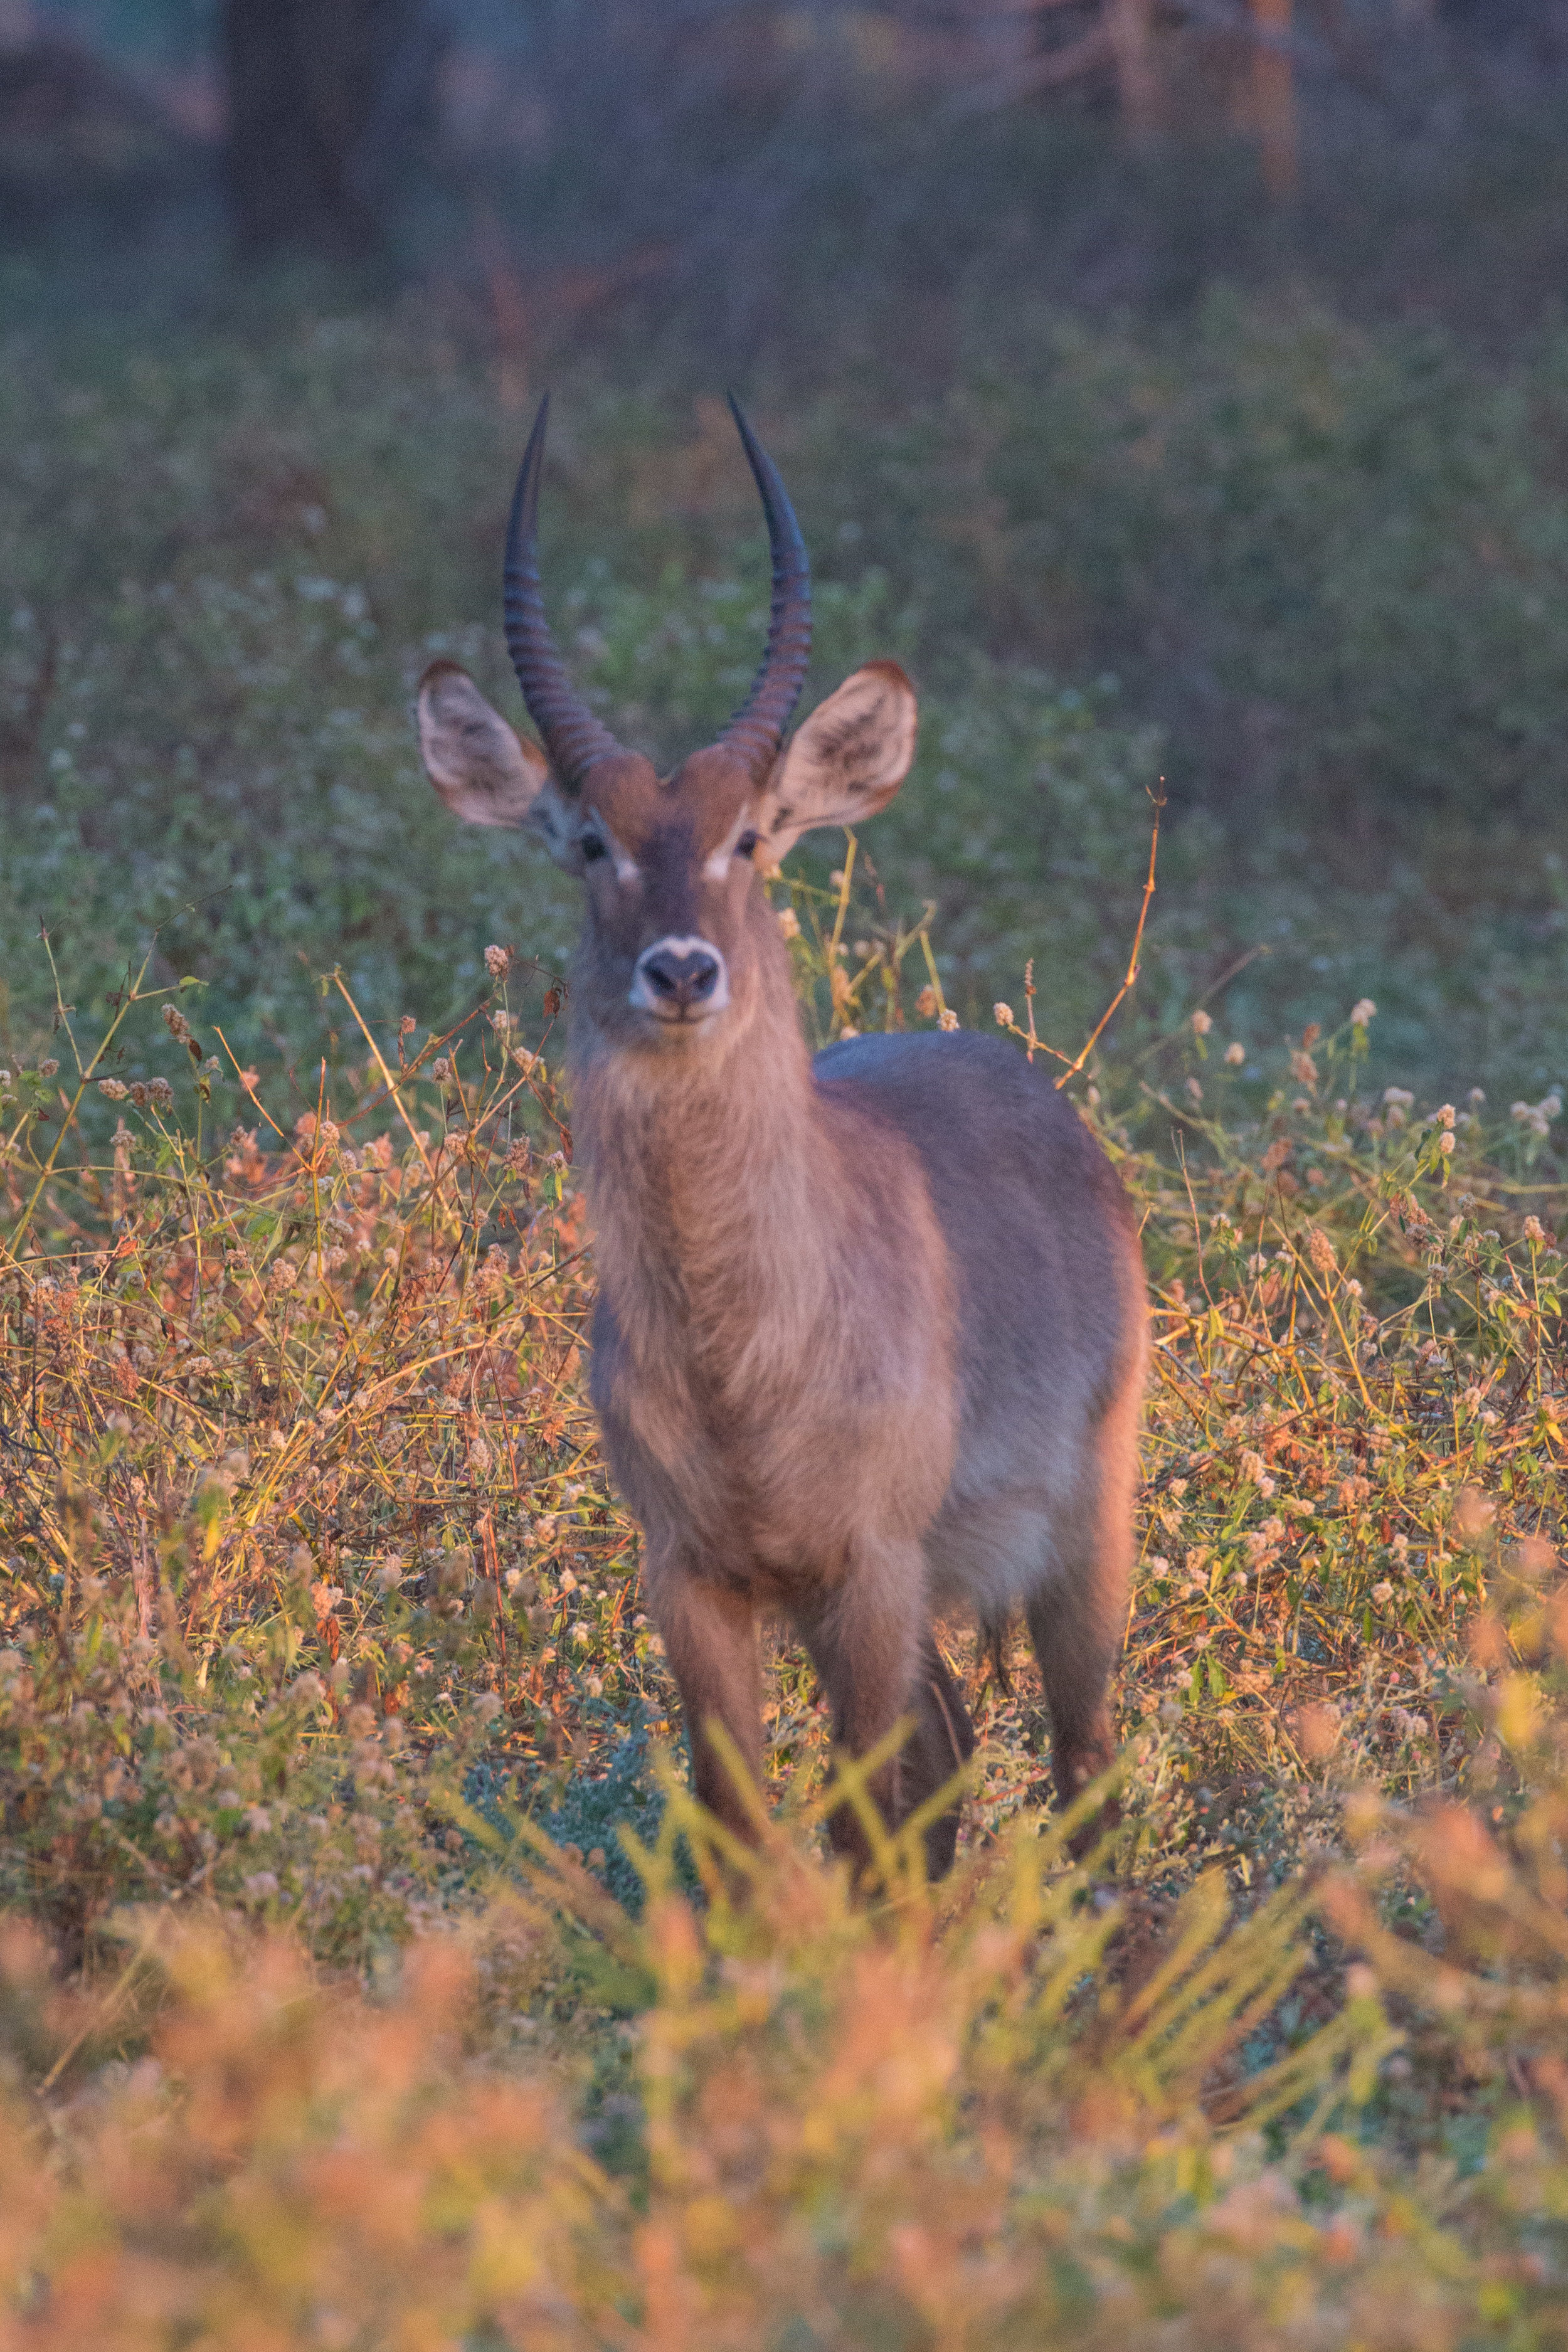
x=844 y=1381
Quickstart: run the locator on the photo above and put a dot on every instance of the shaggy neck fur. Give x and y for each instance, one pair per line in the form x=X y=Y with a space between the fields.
x=709 y=1175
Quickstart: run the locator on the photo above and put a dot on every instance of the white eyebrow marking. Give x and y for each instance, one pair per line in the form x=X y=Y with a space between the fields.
x=717 y=863
x=627 y=868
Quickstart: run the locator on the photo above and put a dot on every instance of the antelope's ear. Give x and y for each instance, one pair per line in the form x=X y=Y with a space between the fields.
x=483 y=769
x=846 y=762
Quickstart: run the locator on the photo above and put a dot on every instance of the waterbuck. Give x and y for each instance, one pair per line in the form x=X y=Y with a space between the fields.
x=870 y=1334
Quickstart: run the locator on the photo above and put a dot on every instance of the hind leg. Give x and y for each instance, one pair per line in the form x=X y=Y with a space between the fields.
x=1076 y=1630
x=1077 y=1614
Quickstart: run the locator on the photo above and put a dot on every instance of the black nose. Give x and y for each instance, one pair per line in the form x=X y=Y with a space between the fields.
x=681 y=976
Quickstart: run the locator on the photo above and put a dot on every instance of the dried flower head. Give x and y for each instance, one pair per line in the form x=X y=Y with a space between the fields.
x=114 y=1089
x=1202 y=1022
x=1321 y=1250
x=947 y=1019
x=174 y=1021
x=160 y=1094
x=1316 y=1732
x=1363 y=1010
x=1236 y=1052
x=1003 y=1014
x=1474 y=1513
x=925 y=1003
x=789 y=923
x=498 y=961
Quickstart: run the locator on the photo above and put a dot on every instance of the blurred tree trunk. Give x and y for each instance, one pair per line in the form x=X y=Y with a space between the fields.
x=1274 y=97
x=324 y=98
x=1138 y=89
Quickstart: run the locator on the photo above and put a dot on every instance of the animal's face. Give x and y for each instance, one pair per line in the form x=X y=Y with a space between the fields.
x=671 y=867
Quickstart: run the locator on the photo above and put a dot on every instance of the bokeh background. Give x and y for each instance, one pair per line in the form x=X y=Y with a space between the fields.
x=1179 y=387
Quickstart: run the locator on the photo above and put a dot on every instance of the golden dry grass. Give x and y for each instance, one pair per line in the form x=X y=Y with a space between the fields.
x=319 y=1614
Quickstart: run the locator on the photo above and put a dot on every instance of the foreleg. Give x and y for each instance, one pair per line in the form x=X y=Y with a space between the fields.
x=709 y=1637
x=878 y=1661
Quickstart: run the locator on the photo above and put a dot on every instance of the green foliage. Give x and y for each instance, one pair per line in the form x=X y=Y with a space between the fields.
x=1326 y=562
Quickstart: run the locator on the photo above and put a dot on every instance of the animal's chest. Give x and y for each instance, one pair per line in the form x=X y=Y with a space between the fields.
x=767 y=1471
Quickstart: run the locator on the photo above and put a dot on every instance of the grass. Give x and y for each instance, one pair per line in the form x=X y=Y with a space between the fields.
x=369 y=1969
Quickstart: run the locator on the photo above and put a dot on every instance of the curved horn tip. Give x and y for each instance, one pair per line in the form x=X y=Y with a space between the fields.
x=757 y=728
x=574 y=737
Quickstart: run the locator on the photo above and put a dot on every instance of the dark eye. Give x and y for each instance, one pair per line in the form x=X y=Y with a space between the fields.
x=592 y=847
x=746 y=845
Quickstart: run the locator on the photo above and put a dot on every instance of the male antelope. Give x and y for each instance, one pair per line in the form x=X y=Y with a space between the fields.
x=871 y=1332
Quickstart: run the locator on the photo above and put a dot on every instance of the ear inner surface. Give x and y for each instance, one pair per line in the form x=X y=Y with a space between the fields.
x=849 y=759
x=480 y=766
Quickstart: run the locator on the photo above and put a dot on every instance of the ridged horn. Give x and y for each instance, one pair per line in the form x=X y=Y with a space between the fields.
x=757 y=728
x=573 y=737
